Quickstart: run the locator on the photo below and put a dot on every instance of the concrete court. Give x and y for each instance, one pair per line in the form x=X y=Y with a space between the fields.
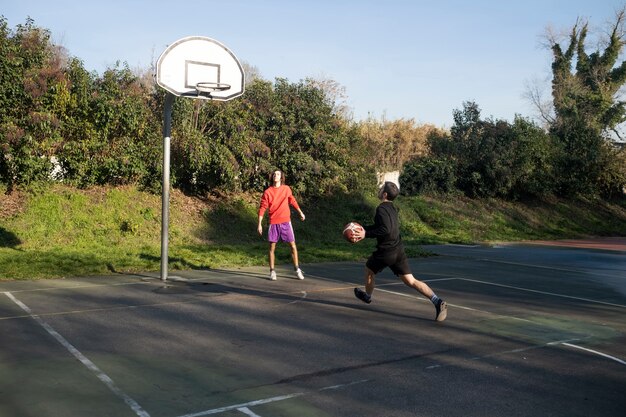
x=531 y=331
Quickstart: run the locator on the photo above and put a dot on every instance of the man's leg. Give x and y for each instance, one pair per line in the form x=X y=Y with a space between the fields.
x=271 y=255
x=369 y=281
x=294 y=254
x=441 y=308
x=418 y=285
x=272 y=259
x=366 y=296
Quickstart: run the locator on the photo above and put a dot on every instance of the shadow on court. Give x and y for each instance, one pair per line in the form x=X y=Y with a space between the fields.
x=531 y=330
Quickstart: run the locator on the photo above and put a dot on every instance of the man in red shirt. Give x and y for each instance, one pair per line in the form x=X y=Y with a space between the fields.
x=277 y=198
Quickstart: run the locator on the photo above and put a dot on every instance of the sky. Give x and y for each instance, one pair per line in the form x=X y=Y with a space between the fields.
x=396 y=59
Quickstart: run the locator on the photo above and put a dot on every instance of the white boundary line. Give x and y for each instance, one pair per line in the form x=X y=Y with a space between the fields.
x=504 y=352
x=578 y=271
x=240 y=407
x=297 y=300
x=596 y=353
x=454 y=305
x=244 y=405
x=82 y=359
x=589 y=300
x=248 y=412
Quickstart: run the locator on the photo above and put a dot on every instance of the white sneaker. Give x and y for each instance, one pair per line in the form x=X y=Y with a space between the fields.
x=299 y=274
x=272 y=275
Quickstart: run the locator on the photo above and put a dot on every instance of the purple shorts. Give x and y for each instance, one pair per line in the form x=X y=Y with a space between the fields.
x=282 y=232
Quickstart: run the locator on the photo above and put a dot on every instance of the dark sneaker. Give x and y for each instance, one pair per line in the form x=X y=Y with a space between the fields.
x=442 y=310
x=362 y=295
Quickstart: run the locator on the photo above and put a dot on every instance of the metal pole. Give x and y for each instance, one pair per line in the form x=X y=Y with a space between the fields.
x=165 y=197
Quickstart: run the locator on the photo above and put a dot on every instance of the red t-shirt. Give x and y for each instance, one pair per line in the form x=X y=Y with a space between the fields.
x=277 y=200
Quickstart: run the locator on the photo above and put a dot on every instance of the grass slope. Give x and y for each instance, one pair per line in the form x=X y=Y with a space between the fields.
x=58 y=231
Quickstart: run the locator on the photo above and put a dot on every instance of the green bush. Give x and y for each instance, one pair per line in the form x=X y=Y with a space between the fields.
x=493 y=158
x=428 y=175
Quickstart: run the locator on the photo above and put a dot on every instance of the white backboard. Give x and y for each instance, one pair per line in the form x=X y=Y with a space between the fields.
x=198 y=59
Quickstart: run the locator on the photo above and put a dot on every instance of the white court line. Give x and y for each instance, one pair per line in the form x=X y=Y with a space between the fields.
x=244 y=405
x=79 y=286
x=596 y=353
x=82 y=358
x=455 y=305
x=542 y=292
x=248 y=412
x=297 y=300
x=504 y=352
x=239 y=407
x=579 y=271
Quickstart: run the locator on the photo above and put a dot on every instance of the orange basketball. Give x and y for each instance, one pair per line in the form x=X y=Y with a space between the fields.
x=349 y=231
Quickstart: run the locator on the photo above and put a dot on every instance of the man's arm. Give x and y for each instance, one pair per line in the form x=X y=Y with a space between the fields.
x=260 y=226
x=381 y=226
x=262 y=207
x=294 y=203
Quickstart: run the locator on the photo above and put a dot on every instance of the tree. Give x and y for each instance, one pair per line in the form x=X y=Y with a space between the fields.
x=390 y=144
x=491 y=158
x=33 y=95
x=590 y=92
x=585 y=92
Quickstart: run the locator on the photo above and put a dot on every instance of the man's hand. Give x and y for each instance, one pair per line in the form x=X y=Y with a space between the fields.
x=302 y=216
x=359 y=234
x=260 y=230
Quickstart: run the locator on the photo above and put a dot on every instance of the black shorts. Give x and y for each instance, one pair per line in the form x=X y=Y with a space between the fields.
x=396 y=261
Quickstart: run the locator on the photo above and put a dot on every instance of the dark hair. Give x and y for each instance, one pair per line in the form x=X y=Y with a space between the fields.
x=282 y=177
x=391 y=189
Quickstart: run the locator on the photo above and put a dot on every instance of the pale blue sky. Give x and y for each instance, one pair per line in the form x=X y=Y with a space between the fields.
x=409 y=59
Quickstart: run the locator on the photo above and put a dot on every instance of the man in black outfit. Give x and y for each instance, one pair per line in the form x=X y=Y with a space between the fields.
x=390 y=252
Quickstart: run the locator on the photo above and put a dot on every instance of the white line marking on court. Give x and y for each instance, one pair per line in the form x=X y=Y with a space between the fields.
x=80 y=286
x=579 y=271
x=506 y=286
x=595 y=352
x=543 y=292
x=454 y=305
x=82 y=358
x=304 y=294
x=504 y=352
x=239 y=407
x=360 y=381
x=244 y=405
x=94 y=310
x=248 y=412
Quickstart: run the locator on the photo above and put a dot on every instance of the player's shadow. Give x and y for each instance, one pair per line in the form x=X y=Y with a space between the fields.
x=8 y=239
x=207 y=288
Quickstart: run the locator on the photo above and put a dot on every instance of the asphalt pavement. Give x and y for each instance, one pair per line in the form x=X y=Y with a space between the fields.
x=532 y=330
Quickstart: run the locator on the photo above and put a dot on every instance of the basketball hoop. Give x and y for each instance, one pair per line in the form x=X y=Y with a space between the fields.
x=195 y=67
x=210 y=87
x=205 y=89
x=198 y=67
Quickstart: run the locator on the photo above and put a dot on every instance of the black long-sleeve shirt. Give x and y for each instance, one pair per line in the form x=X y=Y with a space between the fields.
x=386 y=227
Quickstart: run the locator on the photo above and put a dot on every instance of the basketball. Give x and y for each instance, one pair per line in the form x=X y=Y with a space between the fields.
x=349 y=231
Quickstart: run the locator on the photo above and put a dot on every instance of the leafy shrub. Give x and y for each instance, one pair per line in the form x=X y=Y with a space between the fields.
x=428 y=175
